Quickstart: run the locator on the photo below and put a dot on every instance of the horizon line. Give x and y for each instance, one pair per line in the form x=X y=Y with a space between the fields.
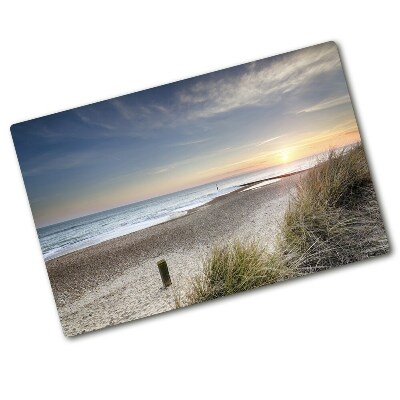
x=191 y=187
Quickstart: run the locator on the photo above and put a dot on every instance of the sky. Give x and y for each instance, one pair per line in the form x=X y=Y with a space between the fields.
x=185 y=134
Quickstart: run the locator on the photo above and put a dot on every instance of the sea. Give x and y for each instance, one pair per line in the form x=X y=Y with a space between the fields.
x=68 y=236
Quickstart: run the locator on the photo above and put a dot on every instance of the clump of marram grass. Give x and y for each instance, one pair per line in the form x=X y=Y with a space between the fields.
x=338 y=181
x=333 y=219
x=234 y=268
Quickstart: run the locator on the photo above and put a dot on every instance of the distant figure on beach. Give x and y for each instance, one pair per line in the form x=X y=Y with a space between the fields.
x=217 y=186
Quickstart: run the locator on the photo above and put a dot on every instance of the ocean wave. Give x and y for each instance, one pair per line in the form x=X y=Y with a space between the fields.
x=69 y=236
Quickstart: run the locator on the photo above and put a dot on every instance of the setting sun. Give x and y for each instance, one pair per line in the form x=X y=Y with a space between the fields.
x=285 y=155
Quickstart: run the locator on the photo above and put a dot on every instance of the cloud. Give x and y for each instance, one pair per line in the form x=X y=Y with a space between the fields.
x=189 y=143
x=92 y=116
x=47 y=163
x=137 y=118
x=133 y=112
x=269 y=140
x=262 y=82
x=160 y=171
x=325 y=104
x=125 y=111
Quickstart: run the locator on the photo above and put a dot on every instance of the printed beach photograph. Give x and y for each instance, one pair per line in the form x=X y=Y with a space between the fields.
x=199 y=189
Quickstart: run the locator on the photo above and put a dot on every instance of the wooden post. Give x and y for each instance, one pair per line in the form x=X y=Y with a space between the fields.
x=163 y=268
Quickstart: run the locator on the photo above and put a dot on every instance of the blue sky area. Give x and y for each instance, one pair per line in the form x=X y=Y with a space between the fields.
x=184 y=134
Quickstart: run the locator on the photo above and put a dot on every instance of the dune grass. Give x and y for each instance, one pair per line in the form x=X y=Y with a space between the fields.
x=333 y=219
x=234 y=268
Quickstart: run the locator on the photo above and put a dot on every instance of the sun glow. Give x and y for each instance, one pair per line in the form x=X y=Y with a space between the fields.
x=284 y=155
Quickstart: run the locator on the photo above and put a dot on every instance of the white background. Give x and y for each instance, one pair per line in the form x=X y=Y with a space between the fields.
x=330 y=336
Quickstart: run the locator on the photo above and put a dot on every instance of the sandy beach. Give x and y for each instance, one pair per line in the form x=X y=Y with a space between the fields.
x=118 y=280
